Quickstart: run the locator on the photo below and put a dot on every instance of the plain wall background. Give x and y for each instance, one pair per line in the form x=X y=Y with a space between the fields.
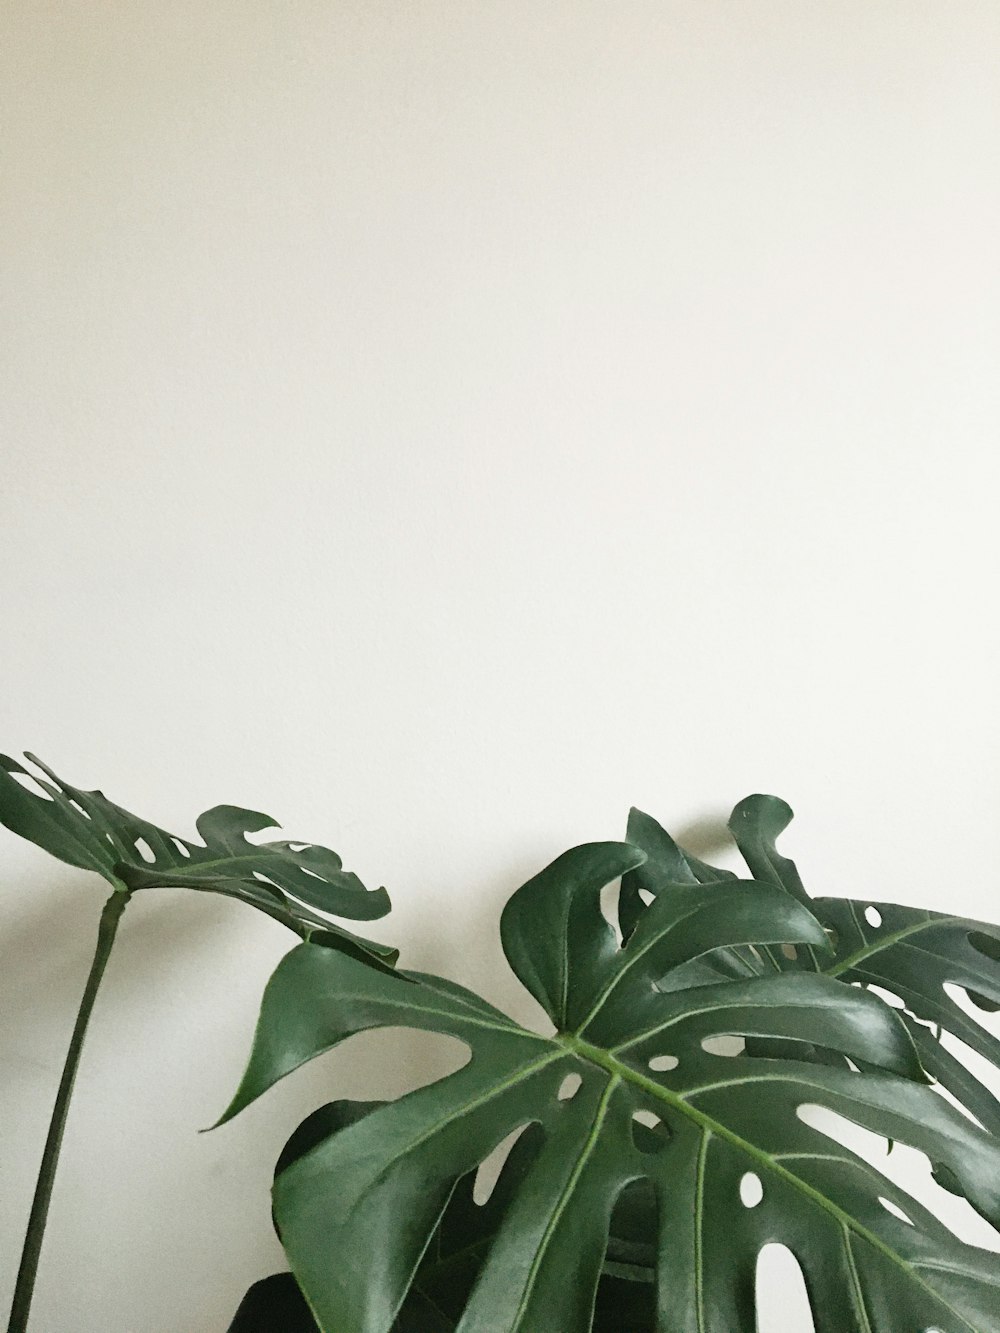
x=441 y=426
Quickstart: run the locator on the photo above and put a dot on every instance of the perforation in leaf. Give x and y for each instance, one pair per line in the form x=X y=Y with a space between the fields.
x=781 y=1296
x=662 y=1063
x=910 y=1172
x=490 y=1167
x=569 y=1087
x=302 y=885
x=684 y=979
x=751 y=1190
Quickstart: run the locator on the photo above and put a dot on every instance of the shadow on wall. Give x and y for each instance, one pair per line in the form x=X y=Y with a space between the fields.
x=706 y=837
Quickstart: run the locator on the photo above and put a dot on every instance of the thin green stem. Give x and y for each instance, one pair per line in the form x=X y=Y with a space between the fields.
x=24 y=1289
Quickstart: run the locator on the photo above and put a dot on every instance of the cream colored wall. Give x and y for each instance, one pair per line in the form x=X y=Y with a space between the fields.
x=442 y=425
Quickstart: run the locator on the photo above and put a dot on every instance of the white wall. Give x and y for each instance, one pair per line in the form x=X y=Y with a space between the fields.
x=442 y=425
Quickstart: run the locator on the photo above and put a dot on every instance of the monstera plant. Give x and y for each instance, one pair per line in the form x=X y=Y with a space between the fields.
x=659 y=1133
x=298 y=884
x=661 y=1144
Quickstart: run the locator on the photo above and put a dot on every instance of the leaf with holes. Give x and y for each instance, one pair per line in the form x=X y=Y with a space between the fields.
x=450 y=1264
x=665 y=866
x=658 y=1109
x=918 y=956
x=298 y=884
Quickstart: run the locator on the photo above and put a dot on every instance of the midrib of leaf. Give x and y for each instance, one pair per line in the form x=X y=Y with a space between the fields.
x=193 y=866
x=605 y=1060
x=699 y=1212
x=473 y=1019
x=565 y=1196
x=870 y=949
x=630 y=962
x=937 y=1266
x=687 y=1014
x=455 y=1114
x=499 y=1020
x=859 y=1296
x=564 y=966
x=184 y=869
x=474 y=1103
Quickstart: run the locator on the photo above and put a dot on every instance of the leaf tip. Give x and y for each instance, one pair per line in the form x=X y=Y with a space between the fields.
x=759 y=806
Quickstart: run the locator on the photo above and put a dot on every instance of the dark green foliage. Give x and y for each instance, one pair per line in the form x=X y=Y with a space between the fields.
x=602 y=1222
x=298 y=884
x=913 y=954
x=685 y=1047
x=274 y=1305
x=451 y=1262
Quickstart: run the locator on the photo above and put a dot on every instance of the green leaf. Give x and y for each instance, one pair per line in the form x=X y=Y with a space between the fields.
x=358 y=1211
x=665 y=867
x=913 y=953
x=300 y=885
x=580 y=980
x=910 y=952
x=272 y=1304
x=756 y=823
x=564 y=902
x=451 y=1262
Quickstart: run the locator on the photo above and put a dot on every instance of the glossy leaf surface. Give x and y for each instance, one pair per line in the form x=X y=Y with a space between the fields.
x=358 y=1211
x=912 y=953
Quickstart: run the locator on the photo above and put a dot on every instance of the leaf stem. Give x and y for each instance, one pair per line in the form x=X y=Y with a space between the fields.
x=25 y=1286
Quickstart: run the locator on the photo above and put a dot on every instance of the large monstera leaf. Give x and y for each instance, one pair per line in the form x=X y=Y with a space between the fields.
x=638 y=1025
x=300 y=885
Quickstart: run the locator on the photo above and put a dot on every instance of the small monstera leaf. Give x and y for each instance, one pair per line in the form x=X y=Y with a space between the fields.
x=657 y=1110
x=667 y=865
x=298 y=884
